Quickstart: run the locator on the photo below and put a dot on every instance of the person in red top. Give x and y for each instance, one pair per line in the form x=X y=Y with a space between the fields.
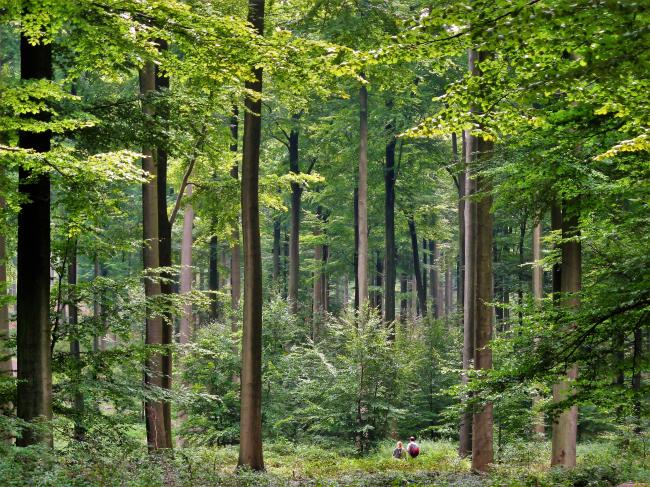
x=413 y=448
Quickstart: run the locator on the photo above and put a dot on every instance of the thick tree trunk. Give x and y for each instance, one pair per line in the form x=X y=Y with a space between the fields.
x=185 y=330
x=164 y=249
x=363 y=197
x=250 y=448
x=213 y=277
x=419 y=284
x=390 y=272
x=565 y=426
x=79 y=431
x=34 y=391
x=538 y=293
x=294 y=238
x=465 y=433
x=157 y=435
x=482 y=421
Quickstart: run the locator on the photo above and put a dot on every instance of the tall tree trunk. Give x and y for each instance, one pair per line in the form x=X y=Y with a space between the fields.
x=460 y=278
x=277 y=236
x=379 y=272
x=79 y=432
x=390 y=272
x=164 y=248
x=363 y=197
x=482 y=421
x=425 y=269
x=356 y=247
x=419 y=284
x=317 y=294
x=403 y=303
x=294 y=238
x=538 y=293
x=520 y=272
x=186 y=268
x=448 y=289
x=465 y=433
x=556 y=226
x=325 y=278
x=5 y=353
x=565 y=426
x=213 y=277
x=285 y=265
x=434 y=278
x=157 y=436
x=235 y=253
x=250 y=448
x=34 y=358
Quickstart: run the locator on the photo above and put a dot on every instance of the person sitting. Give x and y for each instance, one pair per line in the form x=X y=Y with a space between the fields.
x=398 y=452
x=413 y=448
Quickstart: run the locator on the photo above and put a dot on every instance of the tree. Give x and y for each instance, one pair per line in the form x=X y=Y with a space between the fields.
x=185 y=329
x=362 y=264
x=34 y=395
x=294 y=231
x=250 y=449
x=390 y=270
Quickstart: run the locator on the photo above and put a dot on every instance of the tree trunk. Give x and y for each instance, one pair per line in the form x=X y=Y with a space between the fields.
x=277 y=236
x=186 y=269
x=363 y=198
x=356 y=247
x=465 y=433
x=538 y=293
x=565 y=426
x=482 y=421
x=317 y=295
x=325 y=278
x=403 y=303
x=448 y=289
x=79 y=432
x=5 y=353
x=390 y=271
x=294 y=239
x=157 y=436
x=460 y=278
x=419 y=284
x=34 y=359
x=520 y=272
x=425 y=269
x=250 y=448
x=434 y=278
x=379 y=272
x=213 y=276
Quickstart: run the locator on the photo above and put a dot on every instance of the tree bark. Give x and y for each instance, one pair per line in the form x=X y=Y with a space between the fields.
x=186 y=269
x=294 y=237
x=277 y=237
x=235 y=253
x=482 y=421
x=317 y=294
x=448 y=289
x=465 y=433
x=403 y=304
x=34 y=359
x=363 y=197
x=389 y=234
x=356 y=247
x=213 y=277
x=250 y=449
x=425 y=269
x=5 y=353
x=460 y=278
x=565 y=426
x=434 y=278
x=419 y=284
x=538 y=293
x=157 y=435
x=79 y=431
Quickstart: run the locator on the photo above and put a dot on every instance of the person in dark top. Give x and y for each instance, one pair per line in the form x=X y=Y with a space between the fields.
x=398 y=452
x=413 y=448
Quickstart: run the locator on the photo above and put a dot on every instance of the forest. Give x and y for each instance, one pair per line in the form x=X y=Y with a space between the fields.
x=259 y=243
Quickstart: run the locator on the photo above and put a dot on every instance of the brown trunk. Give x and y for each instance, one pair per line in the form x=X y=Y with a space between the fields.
x=157 y=435
x=403 y=302
x=465 y=433
x=250 y=448
x=356 y=247
x=434 y=278
x=556 y=226
x=390 y=271
x=79 y=432
x=213 y=277
x=448 y=290
x=294 y=238
x=5 y=353
x=185 y=330
x=317 y=295
x=34 y=394
x=325 y=279
x=482 y=421
x=538 y=293
x=425 y=267
x=460 y=277
x=276 y=249
x=379 y=273
x=565 y=426
x=419 y=284
x=363 y=198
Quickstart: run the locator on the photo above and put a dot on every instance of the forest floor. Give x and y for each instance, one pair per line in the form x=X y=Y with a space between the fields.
x=602 y=463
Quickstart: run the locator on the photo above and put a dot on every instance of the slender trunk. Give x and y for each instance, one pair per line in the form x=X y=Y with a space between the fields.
x=5 y=353
x=325 y=279
x=637 y=376
x=356 y=247
x=465 y=433
x=157 y=436
x=97 y=306
x=390 y=271
x=538 y=293
x=235 y=253
x=185 y=330
x=419 y=284
x=285 y=265
x=425 y=268
x=482 y=421
x=520 y=273
x=317 y=294
x=565 y=426
x=556 y=226
x=34 y=359
x=363 y=197
x=294 y=239
x=434 y=278
x=448 y=289
x=379 y=272
x=403 y=303
x=276 y=249
x=79 y=432
x=460 y=278
x=250 y=448
x=213 y=276
x=413 y=295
